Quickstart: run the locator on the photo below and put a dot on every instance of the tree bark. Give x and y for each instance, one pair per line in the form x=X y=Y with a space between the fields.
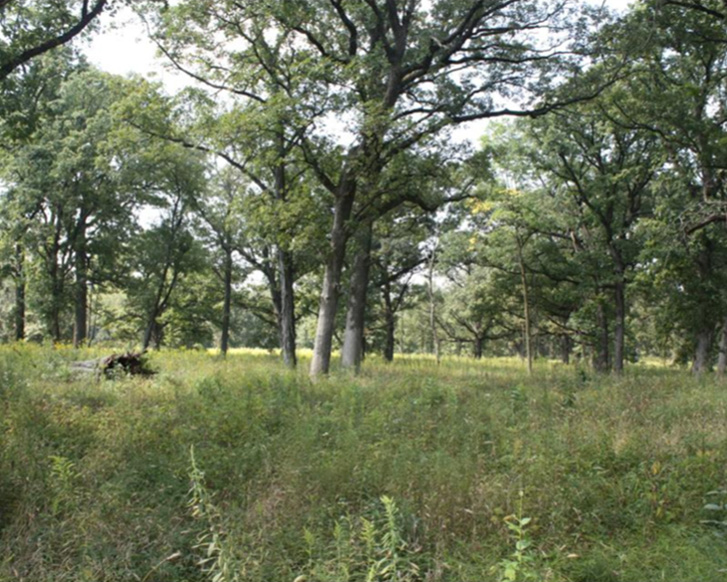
x=433 y=306
x=19 y=293
x=701 y=362
x=601 y=358
x=526 y=307
x=479 y=343
x=619 y=332
x=81 y=304
x=56 y=277
x=565 y=349
x=328 y=305
x=353 y=337
x=722 y=359
x=389 y=323
x=286 y=268
x=287 y=308
x=227 y=302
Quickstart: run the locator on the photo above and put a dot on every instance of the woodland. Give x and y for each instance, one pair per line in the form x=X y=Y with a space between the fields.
x=309 y=190
x=370 y=347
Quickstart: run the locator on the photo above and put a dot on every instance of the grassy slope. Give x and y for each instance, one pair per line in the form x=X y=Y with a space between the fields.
x=95 y=477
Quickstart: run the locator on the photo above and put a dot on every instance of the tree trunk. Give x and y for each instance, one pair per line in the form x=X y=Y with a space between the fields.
x=81 y=304
x=287 y=308
x=722 y=360
x=148 y=332
x=328 y=305
x=389 y=323
x=433 y=306
x=227 y=302
x=619 y=332
x=601 y=357
x=56 y=278
x=565 y=349
x=352 y=350
x=56 y=301
x=478 y=345
x=19 y=293
x=526 y=307
x=701 y=355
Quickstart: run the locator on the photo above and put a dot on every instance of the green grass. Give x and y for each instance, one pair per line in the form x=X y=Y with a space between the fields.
x=241 y=470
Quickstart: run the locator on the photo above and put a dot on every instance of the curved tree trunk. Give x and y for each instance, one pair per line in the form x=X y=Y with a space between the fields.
x=328 y=305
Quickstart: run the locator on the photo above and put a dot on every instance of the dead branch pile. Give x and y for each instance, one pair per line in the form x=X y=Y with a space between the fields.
x=131 y=363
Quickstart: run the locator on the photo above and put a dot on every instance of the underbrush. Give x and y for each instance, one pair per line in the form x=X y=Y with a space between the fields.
x=238 y=469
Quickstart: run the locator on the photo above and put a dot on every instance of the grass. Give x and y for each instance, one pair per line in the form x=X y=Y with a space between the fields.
x=238 y=469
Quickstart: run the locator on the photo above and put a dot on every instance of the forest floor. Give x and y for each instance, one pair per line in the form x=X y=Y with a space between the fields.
x=240 y=470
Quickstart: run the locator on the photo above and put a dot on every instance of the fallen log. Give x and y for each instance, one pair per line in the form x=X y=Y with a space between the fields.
x=129 y=363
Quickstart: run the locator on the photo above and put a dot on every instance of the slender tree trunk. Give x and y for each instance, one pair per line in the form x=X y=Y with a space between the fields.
x=526 y=307
x=389 y=323
x=619 y=332
x=227 y=302
x=353 y=337
x=704 y=347
x=56 y=278
x=286 y=276
x=19 y=292
x=56 y=299
x=81 y=304
x=148 y=332
x=287 y=308
x=601 y=357
x=433 y=306
x=722 y=359
x=328 y=305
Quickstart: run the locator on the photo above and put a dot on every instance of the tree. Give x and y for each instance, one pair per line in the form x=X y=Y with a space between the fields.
x=678 y=83
x=606 y=172
x=396 y=257
x=30 y=29
x=164 y=254
x=219 y=209
x=25 y=104
x=393 y=73
x=70 y=175
x=264 y=161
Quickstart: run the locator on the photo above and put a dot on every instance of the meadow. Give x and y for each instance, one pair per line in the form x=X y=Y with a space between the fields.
x=239 y=469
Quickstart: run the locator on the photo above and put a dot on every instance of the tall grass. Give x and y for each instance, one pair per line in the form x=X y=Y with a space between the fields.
x=411 y=471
